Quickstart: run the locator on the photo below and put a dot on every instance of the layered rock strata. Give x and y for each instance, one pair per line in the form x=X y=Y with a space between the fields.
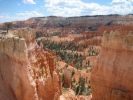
x=112 y=76
x=27 y=72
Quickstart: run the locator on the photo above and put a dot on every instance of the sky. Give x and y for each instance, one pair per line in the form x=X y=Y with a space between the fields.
x=11 y=10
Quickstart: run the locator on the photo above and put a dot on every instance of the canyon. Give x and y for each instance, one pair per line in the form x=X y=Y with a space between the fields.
x=67 y=58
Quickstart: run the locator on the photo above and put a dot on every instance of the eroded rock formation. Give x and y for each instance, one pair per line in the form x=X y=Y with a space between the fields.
x=27 y=72
x=112 y=77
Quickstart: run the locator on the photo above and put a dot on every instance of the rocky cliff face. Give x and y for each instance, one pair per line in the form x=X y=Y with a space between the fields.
x=27 y=72
x=83 y=22
x=112 y=77
x=72 y=24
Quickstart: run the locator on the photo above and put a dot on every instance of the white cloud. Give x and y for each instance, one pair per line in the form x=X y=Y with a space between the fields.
x=119 y=1
x=25 y=15
x=28 y=14
x=130 y=0
x=64 y=7
x=20 y=16
x=79 y=7
x=29 y=1
x=1 y=16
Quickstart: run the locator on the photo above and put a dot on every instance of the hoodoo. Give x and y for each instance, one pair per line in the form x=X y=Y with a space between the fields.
x=25 y=69
x=112 y=77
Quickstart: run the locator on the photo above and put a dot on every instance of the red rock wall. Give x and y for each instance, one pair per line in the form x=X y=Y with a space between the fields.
x=27 y=72
x=112 y=78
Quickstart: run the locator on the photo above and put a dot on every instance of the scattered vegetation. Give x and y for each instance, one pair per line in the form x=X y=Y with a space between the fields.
x=55 y=34
x=62 y=49
x=81 y=88
x=93 y=52
x=69 y=52
x=64 y=45
x=7 y=26
x=72 y=53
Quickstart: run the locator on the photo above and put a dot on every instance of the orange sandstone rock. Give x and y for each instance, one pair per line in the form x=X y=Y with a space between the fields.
x=112 y=76
x=25 y=72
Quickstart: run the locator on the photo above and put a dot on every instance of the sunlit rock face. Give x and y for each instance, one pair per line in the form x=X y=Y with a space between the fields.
x=27 y=72
x=112 y=76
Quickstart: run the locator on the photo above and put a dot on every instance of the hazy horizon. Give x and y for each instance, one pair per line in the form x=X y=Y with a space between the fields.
x=24 y=9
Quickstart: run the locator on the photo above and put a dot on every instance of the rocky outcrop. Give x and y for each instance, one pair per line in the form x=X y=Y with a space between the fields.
x=112 y=76
x=27 y=72
x=90 y=23
x=79 y=24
